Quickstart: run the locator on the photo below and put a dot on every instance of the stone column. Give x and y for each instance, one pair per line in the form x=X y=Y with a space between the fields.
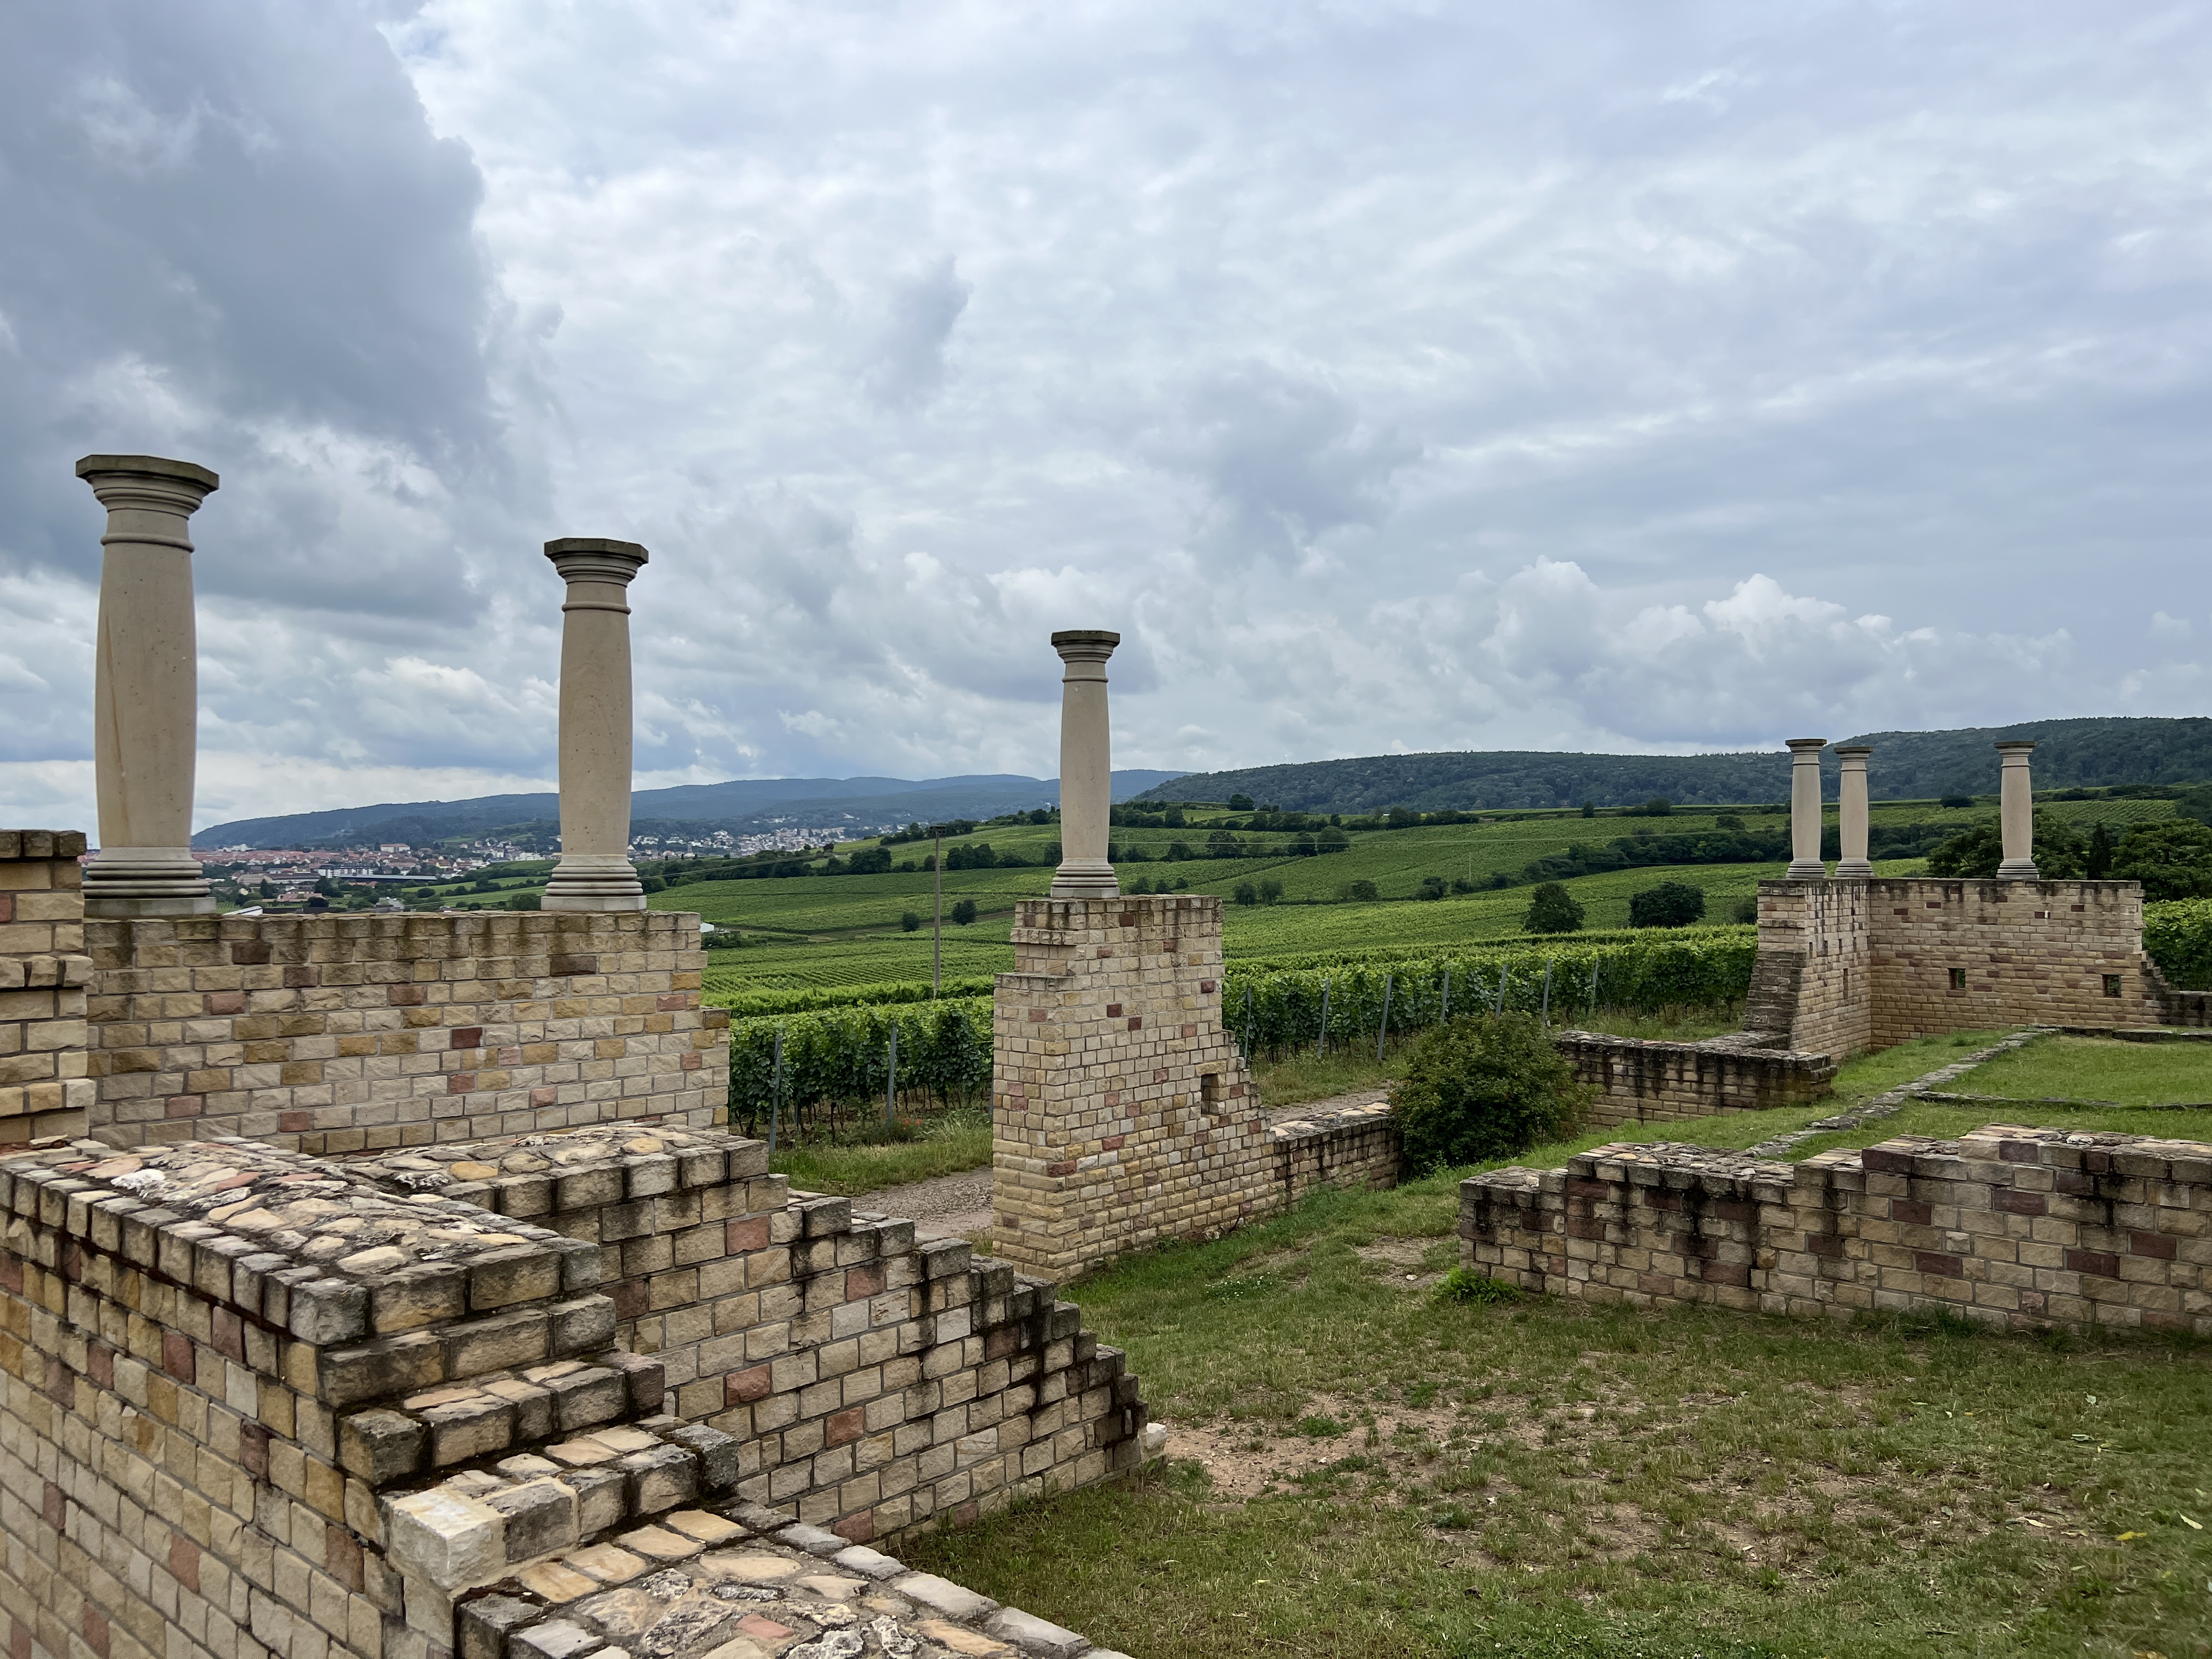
x=2016 y=815
x=1086 y=767
x=1805 y=809
x=145 y=698
x=1851 y=798
x=595 y=873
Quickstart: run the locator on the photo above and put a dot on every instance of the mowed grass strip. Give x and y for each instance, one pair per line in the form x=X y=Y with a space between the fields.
x=2097 y=1068
x=1362 y=1469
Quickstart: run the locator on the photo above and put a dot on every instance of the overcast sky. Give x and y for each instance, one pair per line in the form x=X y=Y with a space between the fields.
x=1613 y=376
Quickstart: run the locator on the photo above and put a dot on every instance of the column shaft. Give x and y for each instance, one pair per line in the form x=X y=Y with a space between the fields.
x=1805 y=809
x=1851 y=812
x=2016 y=815
x=146 y=689
x=595 y=873
x=1086 y=767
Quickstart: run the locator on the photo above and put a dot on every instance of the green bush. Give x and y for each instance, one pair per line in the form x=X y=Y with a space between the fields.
x=1486 y=1086
x=2061 y=853
x=963 y=912
x=1553 y=909
x=2172 y=861
x=911 y=921
x=1670 y=904
x=2178 y=936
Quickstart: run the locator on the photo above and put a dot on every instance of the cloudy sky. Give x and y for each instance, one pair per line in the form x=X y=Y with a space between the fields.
x=1614 y=374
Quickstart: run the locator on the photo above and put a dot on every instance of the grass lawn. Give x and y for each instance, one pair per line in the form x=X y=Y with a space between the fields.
x=958 y=1140
x=2095 y=1068
x=1358 y=1468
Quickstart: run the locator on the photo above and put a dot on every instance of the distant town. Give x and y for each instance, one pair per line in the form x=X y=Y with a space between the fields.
x=396 y=876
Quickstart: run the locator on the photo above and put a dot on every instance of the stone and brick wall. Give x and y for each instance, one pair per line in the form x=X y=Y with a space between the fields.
x=1850 y=964
x=1639 y=1081
x=1351 y=1146
x=45 y=1085
x=1121 y=1112
x=342 y=1033
x=2013 y=1226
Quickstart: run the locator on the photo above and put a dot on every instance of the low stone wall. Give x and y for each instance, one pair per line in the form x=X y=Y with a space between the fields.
x=46 y=1087
x=343 y=1033
x=2014 y=1226
x=1352 y=1147
x=254 y=1402
x=1644 y=1082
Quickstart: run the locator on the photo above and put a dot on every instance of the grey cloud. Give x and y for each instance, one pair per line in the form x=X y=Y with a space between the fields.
x=908 y=364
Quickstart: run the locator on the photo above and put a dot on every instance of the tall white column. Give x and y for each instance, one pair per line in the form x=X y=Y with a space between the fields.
x=595 y=873
x=1805 y=809
x=1086 y=767
x=145 y=697
x=1851 y=812
x=2016 y=815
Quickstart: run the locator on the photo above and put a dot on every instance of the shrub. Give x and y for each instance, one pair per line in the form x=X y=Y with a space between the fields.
x=1486 y=1086
x=1359 y=892
x=1670 y=904
x=1465 y=1285
x=1553 y=909
x=911 y=921
x=2178 y=936
x=1461 y=884
x=1270 y=890
x=1956 y=801
x=1433 y=887
x=1246 y=893
x=2172 y=861
x=963 y=912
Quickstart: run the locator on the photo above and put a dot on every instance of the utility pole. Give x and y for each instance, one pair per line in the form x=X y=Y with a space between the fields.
x=937 y=926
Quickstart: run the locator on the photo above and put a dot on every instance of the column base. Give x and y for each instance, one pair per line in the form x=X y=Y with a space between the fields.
x=1079 y=879
x=2019 y=869
x=1854 y=869
x=594 y=881
x=146 y=881
x=1812 y=870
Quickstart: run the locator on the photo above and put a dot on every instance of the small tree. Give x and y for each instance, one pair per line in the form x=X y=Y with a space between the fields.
x=1973 y=854
x=1240 y=803
x=1246 y=893
x=911 y=921
x=1589 y=808
x=1270 y=890
x=963 y=912
x=1486 y=1086
x=1433 y=887
x=2097 y=863
x=1670 y=904
x=1358 y=892
x=2172 y=861
x=1334 y=840
x=1552 y=909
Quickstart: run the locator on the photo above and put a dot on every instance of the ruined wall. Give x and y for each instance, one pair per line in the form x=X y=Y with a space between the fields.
x=342 y=1033
x=1850 y=964
x=1645 y=1082
x=871 y=1383
x=1121 y=1112
x=45 y=1085
x=1352 y=1147
x=2013 y=1226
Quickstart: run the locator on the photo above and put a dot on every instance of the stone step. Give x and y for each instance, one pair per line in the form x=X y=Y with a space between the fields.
x=497 y=1414
x=537 y=1334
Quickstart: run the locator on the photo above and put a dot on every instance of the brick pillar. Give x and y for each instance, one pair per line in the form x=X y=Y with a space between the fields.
x=1121 y=1113
x=45 y=1085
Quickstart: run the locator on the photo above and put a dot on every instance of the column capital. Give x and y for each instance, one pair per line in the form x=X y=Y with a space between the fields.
x=1853 y=751
x=2014 y=750
x=1805 y=745
x=1084 y=644
x=595 y=559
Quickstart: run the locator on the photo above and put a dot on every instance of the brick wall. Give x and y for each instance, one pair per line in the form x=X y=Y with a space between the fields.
x=1644 y=1082
x=339 y=1034
x=873 y=1384
x=1121 y=1112
x=2013 y=1226
x=1850 y=964
x=1352 y=1147
x=44 y=1088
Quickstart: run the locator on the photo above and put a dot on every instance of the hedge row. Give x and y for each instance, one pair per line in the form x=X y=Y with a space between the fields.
x=812 y=999
x=2178 y=936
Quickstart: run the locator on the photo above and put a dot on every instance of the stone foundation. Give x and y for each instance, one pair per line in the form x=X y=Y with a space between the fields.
x=342 y=1033
x=2010 y=1227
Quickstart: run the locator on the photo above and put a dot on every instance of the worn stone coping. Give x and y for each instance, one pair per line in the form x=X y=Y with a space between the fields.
x=1328 y=1123
x=599 y=1164
x=479 y=1524
x=1748 y=1045
x=41 y=844
x=1676 y=1166
x=426 y=1421
x=740 y=1582
x=293 y=1241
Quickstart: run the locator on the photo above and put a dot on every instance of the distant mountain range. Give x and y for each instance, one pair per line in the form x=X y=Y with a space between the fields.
x=742 y=806
x=1906 y=765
